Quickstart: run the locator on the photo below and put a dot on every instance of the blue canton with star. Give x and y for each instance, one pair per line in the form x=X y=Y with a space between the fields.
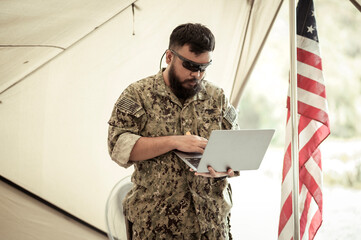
x=306 y=22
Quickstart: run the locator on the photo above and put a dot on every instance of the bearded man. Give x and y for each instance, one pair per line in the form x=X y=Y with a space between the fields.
x=150 y=120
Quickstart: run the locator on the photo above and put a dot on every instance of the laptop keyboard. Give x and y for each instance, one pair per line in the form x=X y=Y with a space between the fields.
x=194 y=161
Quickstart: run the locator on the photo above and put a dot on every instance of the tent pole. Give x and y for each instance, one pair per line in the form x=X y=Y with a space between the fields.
x=294 y=118
x=356 y=4
x=237 y=97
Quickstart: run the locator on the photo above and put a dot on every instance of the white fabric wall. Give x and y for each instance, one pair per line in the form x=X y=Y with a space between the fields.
x=53 y=123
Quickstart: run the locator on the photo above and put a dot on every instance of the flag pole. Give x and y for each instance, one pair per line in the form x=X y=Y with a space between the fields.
x=294 y=118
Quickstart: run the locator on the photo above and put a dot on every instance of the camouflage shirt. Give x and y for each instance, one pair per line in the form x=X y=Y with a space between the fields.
x=166 y=196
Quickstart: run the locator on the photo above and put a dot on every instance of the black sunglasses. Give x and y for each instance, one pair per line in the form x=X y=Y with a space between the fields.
x=190 y=65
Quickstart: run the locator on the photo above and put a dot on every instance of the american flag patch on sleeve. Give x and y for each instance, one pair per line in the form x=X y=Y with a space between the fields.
x=129 y=106
x=230 y=115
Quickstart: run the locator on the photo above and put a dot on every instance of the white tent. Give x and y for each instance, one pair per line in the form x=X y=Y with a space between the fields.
x=63 y=65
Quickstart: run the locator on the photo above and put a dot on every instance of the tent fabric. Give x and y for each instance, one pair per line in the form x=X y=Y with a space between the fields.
x=34 y=32
x=258 y=23
x=64 y=64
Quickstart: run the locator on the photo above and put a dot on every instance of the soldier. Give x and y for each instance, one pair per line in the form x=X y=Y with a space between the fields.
x=149 y=120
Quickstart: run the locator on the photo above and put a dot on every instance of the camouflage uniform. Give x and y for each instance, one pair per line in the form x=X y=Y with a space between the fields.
x=167 y=200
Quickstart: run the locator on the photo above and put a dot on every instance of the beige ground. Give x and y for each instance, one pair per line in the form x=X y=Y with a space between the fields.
x=23 y=217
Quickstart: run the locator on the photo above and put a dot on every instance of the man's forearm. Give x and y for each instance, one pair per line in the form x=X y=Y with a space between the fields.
x=150 y=147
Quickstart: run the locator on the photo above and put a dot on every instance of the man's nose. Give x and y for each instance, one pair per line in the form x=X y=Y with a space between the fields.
x=196 y=74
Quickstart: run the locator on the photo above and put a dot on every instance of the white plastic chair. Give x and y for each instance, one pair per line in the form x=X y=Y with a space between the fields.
x=115 y=220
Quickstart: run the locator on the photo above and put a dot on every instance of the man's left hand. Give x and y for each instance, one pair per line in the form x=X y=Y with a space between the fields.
x=213 y=174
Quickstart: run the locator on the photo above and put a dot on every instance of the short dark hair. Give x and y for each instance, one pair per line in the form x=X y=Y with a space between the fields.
x=198 y=36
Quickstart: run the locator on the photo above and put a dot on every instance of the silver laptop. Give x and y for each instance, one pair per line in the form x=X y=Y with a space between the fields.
x=236 y=149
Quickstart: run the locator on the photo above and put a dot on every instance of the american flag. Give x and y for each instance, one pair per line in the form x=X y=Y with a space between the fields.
x=313 y=128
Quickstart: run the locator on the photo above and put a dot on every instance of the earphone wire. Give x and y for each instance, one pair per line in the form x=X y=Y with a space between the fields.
x=160 y=63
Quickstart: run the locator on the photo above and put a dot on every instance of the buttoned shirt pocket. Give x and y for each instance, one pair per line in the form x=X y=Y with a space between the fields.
x=161 y=125
x=211 y=120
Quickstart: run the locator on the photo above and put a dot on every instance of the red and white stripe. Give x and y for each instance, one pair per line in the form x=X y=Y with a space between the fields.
x=313 y=128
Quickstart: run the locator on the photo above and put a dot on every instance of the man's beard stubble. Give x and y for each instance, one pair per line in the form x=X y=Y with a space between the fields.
x=177 y=88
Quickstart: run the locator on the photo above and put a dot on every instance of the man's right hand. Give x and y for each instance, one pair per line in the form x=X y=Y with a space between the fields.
x=190 y=143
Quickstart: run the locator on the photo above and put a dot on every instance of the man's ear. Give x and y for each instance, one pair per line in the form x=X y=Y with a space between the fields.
x=168 y=56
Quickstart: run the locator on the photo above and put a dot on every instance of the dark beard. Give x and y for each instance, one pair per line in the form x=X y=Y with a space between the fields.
x=177 y=88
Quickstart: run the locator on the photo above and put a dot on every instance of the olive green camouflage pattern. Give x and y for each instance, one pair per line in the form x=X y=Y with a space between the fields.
x=167 y=200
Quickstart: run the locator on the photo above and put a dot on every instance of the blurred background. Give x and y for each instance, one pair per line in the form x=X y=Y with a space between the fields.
x=340 y=46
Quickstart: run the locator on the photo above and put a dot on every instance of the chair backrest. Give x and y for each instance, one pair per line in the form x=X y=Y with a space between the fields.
x=115 y=220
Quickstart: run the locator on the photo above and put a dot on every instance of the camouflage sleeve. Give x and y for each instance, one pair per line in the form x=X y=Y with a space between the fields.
x=125 y=123
x=230 y=120
x=230 y=116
